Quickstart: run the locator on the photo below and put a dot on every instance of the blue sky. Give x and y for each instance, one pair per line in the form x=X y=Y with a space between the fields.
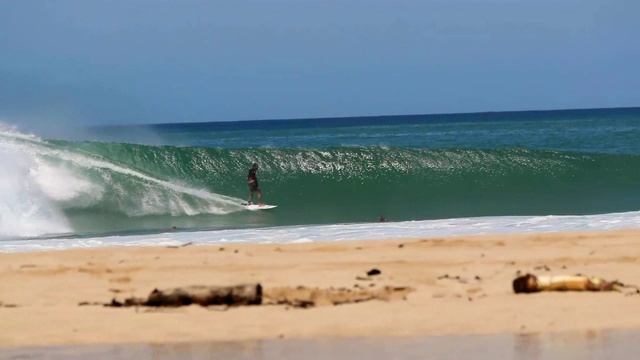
x=147 y=61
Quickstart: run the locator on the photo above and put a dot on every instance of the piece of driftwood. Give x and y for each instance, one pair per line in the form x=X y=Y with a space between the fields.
x=530 y=283
x=306 y=297
x=236 y=295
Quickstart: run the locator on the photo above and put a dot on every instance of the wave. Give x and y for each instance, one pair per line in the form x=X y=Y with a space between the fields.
x=46 y=186
x=54 y=186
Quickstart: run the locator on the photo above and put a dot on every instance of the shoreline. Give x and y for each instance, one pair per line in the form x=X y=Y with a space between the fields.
x=616 y=344
x=366 y=231
x=458 y=285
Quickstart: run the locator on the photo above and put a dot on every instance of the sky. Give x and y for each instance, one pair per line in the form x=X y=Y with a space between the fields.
x=157 y=61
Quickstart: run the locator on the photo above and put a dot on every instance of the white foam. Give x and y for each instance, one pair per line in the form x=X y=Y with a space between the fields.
x=62 y=184
x=345 y=232
x=25 y=210
x=39 y=180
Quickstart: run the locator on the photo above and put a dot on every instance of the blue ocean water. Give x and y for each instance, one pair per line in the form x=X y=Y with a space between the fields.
x=331 y=178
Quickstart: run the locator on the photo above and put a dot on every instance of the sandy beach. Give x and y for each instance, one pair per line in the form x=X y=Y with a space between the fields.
x=458 y=285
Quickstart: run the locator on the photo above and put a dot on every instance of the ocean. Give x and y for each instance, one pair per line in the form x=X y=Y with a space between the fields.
x=332 y=179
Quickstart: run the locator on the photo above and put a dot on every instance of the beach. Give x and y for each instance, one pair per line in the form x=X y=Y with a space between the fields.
x=431 y=286
x=318 y=180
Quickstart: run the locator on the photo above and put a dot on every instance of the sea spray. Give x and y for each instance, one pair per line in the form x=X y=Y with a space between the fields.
x=46 y=188
x=25 y=209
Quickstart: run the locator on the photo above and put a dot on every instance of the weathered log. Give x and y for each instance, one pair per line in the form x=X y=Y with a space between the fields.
x=305 y=297
x=531 y=283
x=236 y=295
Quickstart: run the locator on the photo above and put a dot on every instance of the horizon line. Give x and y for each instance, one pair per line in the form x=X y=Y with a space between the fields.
x=370 y=116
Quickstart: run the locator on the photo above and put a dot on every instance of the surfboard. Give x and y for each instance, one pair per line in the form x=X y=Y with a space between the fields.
x=253 y=207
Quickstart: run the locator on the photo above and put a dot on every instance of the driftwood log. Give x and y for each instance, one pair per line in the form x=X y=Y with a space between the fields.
x=531 y=283
x=236 y=295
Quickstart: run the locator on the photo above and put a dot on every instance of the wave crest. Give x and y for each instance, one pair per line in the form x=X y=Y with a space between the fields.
x=42 y=182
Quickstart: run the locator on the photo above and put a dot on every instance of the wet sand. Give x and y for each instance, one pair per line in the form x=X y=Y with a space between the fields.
x=579 y=345
x=454 y=286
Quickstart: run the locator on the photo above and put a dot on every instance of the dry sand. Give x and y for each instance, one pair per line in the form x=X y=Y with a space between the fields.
x=458 y=285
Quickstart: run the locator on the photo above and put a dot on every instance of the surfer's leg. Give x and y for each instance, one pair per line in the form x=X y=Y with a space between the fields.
x=251 y=191
x=260 y=197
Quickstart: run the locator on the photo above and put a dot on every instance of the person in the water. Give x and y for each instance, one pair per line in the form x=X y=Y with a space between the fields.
x=254 y=187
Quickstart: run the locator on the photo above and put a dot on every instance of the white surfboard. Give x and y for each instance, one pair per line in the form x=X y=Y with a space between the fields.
x=253 y=207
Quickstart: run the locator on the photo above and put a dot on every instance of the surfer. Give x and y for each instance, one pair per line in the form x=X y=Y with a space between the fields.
x=253 y=185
